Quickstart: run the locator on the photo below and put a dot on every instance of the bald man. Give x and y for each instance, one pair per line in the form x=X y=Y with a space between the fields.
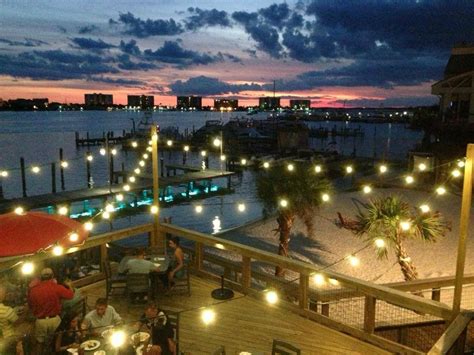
x=8 y=317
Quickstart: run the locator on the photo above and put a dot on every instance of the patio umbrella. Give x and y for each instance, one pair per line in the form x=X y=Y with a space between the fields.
x=29 y=232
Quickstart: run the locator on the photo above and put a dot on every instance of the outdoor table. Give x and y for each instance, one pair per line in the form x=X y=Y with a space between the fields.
x=164 y=262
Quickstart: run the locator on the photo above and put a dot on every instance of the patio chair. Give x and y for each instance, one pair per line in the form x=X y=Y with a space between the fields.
x=219 y=351
x=282 y=348
x=112 y=281
x=173 y=319
x=183 y=283
x=138 y=284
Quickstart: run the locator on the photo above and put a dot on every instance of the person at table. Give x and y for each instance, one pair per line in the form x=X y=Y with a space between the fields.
x=139 y=265
x=68 y=334
x=44 y=300
x=155 y=322
x=122 y=268
x=176 y=267
x=102 y=317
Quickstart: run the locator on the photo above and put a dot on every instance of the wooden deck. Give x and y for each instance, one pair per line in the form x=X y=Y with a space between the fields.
x=244 y=324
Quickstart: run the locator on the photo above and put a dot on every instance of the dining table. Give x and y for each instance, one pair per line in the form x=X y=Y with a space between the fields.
x=162 y=263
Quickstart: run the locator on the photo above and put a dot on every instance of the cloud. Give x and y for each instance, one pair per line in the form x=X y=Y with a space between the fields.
x=172 y=53
x=276 y=14
x=130 y=48
x=88 y=29
x=203 y=85
x=91 y=44
x=125 y=63
x=390 y=102
x=120 y=81
x=28 y=42
x=206 y=18
x=137 y=27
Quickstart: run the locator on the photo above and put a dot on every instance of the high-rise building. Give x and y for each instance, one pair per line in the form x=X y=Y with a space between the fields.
x=300 y=104
x=269 y=103
x=98 y=99
x=141 y=101
x=189 y=102
x=226 y=104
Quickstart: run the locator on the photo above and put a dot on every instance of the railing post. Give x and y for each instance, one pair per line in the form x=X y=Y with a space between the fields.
x=198 y=255
x=436 y=294
x=369 y=314
x=303 y=295
x=325 y=309
x=246 y=273
x=103 y=255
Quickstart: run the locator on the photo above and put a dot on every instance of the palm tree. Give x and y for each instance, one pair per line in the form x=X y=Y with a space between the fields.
x=393 y=221
x=302 y=189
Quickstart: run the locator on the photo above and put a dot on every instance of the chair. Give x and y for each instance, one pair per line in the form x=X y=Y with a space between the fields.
x=173 y=319
x=282 y=348
x=182 y=283
x=79 y=308
x=138 y=284
x=112 y=282
x=219 y=351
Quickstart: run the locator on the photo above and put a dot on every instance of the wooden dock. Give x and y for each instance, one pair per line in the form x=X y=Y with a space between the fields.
x=66 y=197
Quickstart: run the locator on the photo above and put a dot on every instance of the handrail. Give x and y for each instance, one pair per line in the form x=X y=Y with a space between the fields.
x=452 y=334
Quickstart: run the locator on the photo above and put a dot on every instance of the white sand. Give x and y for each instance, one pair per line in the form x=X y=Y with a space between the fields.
x=331 y=243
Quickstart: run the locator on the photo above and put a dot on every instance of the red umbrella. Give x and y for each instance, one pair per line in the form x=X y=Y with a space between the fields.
x=30 y=232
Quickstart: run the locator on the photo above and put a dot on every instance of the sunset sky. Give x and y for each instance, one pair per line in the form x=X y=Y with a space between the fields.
x=334 y=52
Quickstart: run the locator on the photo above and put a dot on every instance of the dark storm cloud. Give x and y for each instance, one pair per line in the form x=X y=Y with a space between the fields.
x=88 y=29
x=91 y=44
x=206 y=18
x=276 y=14
x=203 y=85
x=28 y=42
x=121 y=82
x=130 y=47
x=126 y=63
x=172 y=53
x=137 y=27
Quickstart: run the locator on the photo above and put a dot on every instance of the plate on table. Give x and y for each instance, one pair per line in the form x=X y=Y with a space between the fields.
x=90 y=345
x=157 y=265
x=142 y=336
x=73 y=350
x=106 y=333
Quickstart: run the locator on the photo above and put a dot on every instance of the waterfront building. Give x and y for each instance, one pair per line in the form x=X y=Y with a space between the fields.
x=300 y=104
x=29 y=104
x=141 y=101
x=98 y=99
x=269 y=103
x=456 y=90
x=189 y=102
x=226 y=104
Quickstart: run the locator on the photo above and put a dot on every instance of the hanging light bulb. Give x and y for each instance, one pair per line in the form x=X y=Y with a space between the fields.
x=440 y=190
x=217 y=142
x=409 y=179
x=203 y=153
x=149 y=149
x=379 y=243
x=208 y=316
x=58 y=250
x=4 y=173
x=102 y=151
x=461 y=163
x=90 y=157
x=145 y=156
x=19 y=210
x=88 y=226
x=27 y=268
x=283 y=203
x=134 y=144
x=109 y=208
x=325 y=197
x=266 y=165
x=198 y=209
x=456 y=173
x=319 y=279
x=186 y=148
x=35 y=169
x=119 y=197
x=422 y=167
x=126 y=187
x=271 y=297
x=154 y=209
x=64 y=164
x=106 y=215
x=290 y=167
x=405 y=225
x=383 y=169
x=132 y=179
x=349 y=169
x=353 y=260
x=169 y=143
x=141 y=163
x=367 y=189
x=137 y=171
x=241 y=207
x=318 y=169
x=74 y=237
x=114 y=151
x=243 y=162
x=223 y=157
x=63 y=210
x=425 y=208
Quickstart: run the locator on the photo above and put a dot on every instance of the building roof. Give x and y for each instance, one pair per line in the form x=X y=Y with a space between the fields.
x=461 y=61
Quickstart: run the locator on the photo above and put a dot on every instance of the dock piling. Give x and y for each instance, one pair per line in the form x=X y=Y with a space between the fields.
x=23 y=176
x=53 y=178
x=61 y=169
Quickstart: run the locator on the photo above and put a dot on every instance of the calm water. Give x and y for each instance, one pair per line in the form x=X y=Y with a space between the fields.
x=37 y=136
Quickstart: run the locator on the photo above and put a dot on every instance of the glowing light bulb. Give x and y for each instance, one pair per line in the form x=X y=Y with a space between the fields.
x=19 y=210
x=74 y=237
x=35 y=169
x=62 y=210
x=27 y=268
x=219 y=246
x=198 y=209
x=349 y=169
x=241 y=207
x=405 y=225
x=88 y=226
x=134 y=144
x=441 y=190
x=4 y=173
x=154 y=209
x=58 y=250
x=367 y=189
x=126 y=187
x=106 y=215
x=379 y=243
x=169 y=143
x=223 y=157
x=271 y=297
x=456 y=173
x=334 y=282
x=290 y=167
x=243 y=162
x=325 y=197
x=319 y=279
x=149 y=149
x=353 y=260
x=90 y=157
x=145 y=156
x=208 y=316
x=461 y=163
x=283 y=203
x=383 y=169
x=425 y=208
x=132 y=179
x=137 y=171
x=119 y=197
x=64 y=164
x=217 y=142
x=102 y=151
x=422 y=167
x=266 y=165
x=203 y=153
x=141 y=163
x=154 y=138
x=317 y=169
x=117 y=339
x=109 y=208
x=186 y=148
x=409 y=179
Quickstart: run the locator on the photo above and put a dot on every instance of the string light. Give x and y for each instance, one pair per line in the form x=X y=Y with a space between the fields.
x=62 y=210
x=217 y=142
x=74 y=237
x=109 y=208
x=198 y=209
x=422 y=167
x=319 y=279
x=134 y=144
x=219 y=246
x=19 y=210
x=425 y=208
x=223 y=157
x=353 y=260
x=27 y=268
x=241 y=207
x=440 y=190
x=119 y=197
x=149 y=149
x=4 y=173
x=145 y=156
x=283 y=203
x=169 y=143
x=154 y=209
x=137 y=171
x=126 y=187
x=88 y=226
x=141 y=163
x=461 y=163
x=290 y=167
x=132 y=179
x=154 y=137
x=334 y=282
x=456 y=173
x=114 y=151
x=117 y=339
x=58 y=250
x=90 y=157
x=106 y=215
x=367 y=189
x=102 y=151
x=208 y=316
x=64 y=164
x=271 y=297
x=405 y=225
x=203 y=153
x=379 y=243
x=349 y=169
x=35 y=169
x=186 y=148
x=243 y=162
x=409 y=179
x=318 y=169
x=383 y=169
x=266 y=165
x=325 y=197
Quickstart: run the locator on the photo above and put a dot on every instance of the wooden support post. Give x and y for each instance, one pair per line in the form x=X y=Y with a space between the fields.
x=246 y=273
x=436 y=294
x=61 y=169
x=23 y=176
x=53 y=178
x=463 y=228
x=303 y=294
x=325 y=309
x=103 y=255
x=198 y=255
x=369 y=314
x=184 y=157
x=159 y=240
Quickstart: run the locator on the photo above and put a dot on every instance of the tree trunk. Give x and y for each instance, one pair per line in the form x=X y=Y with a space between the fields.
x=406 y=265
x=285 y=222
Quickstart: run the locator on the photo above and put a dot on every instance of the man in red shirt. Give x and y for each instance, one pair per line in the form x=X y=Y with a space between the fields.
x=44 y=299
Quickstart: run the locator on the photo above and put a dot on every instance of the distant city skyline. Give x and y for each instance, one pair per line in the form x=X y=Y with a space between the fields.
x=362 y=53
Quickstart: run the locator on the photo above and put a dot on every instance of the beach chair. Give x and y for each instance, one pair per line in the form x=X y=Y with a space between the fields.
x=282 y=348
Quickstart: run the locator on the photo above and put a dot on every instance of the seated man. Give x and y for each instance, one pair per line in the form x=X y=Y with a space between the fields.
x=122 y=268
x=96 y=321
x=155 y=322
x=139 y=265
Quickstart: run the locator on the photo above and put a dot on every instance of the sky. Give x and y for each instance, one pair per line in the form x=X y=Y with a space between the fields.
x=374 y=53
